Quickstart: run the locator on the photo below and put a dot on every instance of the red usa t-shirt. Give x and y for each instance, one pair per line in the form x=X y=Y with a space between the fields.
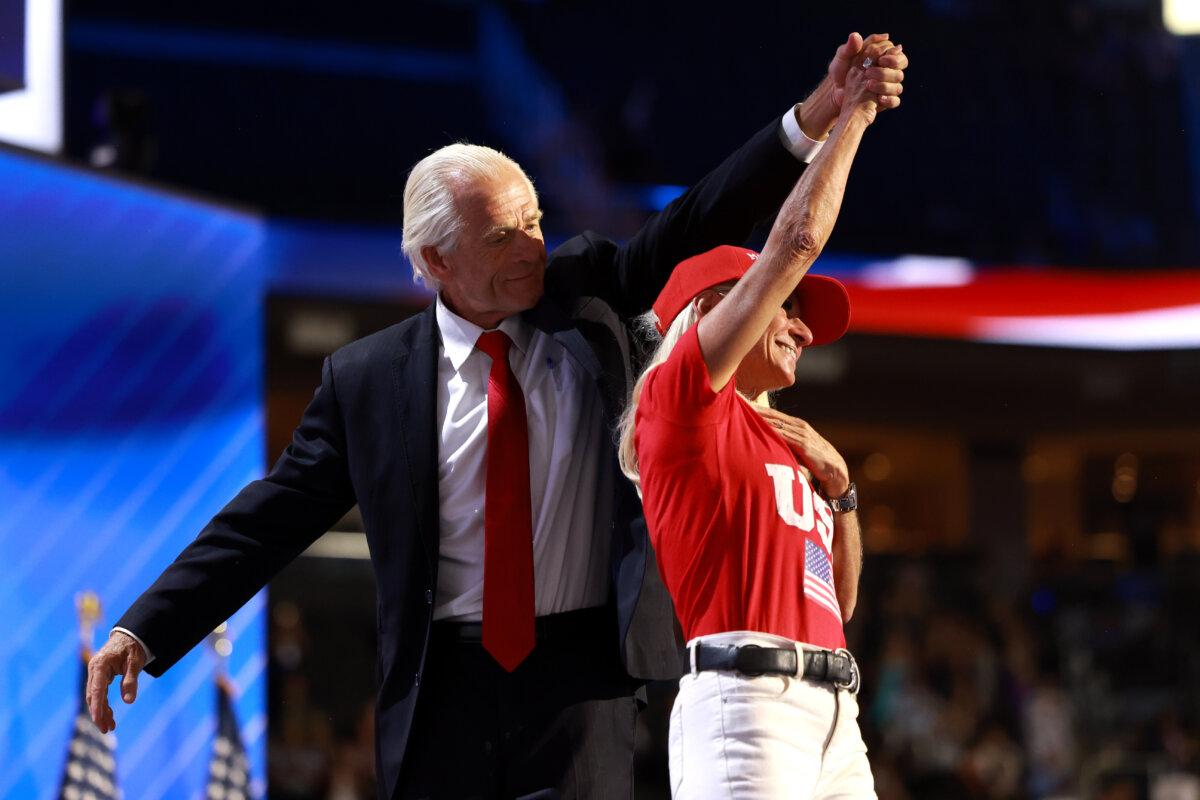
x=743 y=541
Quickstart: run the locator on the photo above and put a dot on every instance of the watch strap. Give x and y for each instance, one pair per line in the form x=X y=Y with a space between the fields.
x=847 y=502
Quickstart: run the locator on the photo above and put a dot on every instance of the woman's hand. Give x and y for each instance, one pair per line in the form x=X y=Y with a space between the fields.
x=864 y=82
x=887 y=77
x=819 y=111
x=825 y=463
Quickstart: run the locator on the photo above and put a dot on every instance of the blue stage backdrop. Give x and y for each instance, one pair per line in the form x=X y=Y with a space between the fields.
x=130 y=411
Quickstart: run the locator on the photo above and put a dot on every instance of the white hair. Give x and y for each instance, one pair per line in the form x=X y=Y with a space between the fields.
x=431 y=217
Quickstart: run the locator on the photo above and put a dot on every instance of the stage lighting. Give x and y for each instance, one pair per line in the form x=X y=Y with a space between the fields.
x=1182 y=17
x=31 y=74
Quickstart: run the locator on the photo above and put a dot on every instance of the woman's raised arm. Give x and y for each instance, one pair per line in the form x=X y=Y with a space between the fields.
x=731 y=328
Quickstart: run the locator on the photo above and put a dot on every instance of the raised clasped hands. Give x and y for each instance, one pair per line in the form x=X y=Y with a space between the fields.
x=877 y=86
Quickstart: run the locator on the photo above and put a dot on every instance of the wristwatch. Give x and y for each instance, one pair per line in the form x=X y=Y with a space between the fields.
x=847 y=502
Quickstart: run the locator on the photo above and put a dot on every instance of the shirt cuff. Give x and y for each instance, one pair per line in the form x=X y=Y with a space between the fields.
x=134 y=636
x=795 y=140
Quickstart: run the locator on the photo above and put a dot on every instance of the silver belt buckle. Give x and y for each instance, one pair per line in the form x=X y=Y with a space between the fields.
x=855 y=682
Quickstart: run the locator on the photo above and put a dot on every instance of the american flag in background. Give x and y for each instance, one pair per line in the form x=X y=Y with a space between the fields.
x=228 y=771
x=818 y=578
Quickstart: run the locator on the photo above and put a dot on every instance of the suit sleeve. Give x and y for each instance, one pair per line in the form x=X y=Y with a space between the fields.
x=264 y=527
x=723 y=207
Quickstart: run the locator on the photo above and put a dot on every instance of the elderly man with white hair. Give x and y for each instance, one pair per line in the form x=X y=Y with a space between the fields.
x=520 y=608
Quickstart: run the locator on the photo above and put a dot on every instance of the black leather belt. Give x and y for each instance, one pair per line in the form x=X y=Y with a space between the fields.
x=835 y=667
x=579 y=624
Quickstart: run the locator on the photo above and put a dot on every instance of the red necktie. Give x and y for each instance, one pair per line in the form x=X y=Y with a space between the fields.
x=508 y=517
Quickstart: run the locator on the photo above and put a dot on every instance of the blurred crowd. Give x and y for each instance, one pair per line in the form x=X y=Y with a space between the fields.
x=1083 y=687
x=321 y=745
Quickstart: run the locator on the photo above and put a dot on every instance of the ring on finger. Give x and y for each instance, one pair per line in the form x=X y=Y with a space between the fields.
x=867 y=62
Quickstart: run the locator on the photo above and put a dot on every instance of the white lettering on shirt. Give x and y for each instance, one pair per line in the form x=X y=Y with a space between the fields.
x=825 y=523
x=783 y=476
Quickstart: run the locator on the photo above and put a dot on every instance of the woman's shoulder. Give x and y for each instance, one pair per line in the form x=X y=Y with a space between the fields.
x=679 y=389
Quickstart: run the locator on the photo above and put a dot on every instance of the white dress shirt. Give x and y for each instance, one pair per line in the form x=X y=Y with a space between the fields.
x=794 y=138
x=571 y=490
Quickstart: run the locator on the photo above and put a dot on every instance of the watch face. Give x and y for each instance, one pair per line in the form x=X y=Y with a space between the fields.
x=848 y=501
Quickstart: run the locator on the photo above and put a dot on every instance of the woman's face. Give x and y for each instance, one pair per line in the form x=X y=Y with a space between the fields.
x=771 y=363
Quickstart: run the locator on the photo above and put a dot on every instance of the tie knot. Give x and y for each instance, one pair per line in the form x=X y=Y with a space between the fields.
x=495 y=344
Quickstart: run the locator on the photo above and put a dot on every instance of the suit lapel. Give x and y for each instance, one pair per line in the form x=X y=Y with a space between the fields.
x=566 y=330
x=548 y=317
x=414 y=381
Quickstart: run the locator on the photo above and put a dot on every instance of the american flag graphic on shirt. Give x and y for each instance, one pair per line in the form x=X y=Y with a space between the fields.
x=818 y=578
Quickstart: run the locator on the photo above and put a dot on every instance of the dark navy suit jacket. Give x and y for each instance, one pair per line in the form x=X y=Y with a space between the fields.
x=370 y=437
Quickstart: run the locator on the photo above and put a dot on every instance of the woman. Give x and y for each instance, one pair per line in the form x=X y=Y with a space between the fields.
x=763 y=569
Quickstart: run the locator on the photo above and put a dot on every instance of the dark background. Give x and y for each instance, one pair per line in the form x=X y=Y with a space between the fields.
x=1031 y=131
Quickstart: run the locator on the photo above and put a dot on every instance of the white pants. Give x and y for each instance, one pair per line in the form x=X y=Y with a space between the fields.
x=772 y=736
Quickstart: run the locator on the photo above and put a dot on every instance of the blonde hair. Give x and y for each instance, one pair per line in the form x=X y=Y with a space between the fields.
x=431 y=217
x=646 y=325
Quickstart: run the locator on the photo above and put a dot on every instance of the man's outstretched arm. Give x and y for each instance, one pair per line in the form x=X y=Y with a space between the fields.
x=268 y=524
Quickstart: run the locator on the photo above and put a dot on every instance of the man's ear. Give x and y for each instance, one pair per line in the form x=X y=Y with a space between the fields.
x=437 y=265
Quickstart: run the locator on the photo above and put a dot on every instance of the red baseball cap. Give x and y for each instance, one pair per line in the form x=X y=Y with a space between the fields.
x=824 y=303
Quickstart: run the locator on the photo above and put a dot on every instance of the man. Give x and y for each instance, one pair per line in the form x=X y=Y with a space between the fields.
x=519 y=604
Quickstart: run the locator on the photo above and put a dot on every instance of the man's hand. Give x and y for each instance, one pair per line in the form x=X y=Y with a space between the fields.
x=844 y=58
x=820 y=110
x=121 y=655
x=859 y=93
x=825 y=463
x=885 y=75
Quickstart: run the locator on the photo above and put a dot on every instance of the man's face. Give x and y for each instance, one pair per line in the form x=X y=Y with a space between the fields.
x=499 y=264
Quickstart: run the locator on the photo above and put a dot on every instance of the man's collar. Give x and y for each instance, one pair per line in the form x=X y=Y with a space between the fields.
x=459 y=335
